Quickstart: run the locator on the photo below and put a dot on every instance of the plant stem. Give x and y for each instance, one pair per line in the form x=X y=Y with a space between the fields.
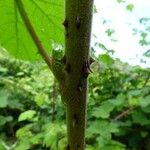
x=78 y=31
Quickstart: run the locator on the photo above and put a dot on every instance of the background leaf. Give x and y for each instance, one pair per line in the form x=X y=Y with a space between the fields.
x=3 y=98
x=130 y=7
x=29 y=114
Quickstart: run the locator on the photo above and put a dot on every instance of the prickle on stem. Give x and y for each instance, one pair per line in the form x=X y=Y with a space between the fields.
x=86 y=70
x=65 y=23
x=68 y=68
x=78 y=22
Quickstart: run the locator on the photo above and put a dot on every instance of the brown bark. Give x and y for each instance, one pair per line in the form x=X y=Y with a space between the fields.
x=77 y=65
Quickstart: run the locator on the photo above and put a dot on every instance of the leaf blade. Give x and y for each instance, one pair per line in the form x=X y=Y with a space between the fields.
x=13 y=34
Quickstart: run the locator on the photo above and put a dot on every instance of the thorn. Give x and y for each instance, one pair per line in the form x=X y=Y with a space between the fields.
x=91 y=60
x=68 y=68
x=80 y=88
x=81 y=85
x=65 y=23
x=75 y=120
x=67 y=34
x=78 y=22
x=86 y=70
x=67 y=147
x=89 y=69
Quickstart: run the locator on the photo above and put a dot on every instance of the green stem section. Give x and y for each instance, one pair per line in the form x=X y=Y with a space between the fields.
x=33 y=33
x=77 y=43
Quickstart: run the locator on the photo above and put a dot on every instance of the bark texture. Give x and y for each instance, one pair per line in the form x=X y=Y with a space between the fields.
x=77 y=67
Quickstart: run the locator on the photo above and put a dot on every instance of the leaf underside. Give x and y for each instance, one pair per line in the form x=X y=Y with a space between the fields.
x=46 y=16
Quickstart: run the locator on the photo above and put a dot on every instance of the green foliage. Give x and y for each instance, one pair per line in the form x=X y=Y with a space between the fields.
x=41 y=99
x=55 y=134
x=3 y=96
x=27 y=115
x=130 y=7
x=109 y=32
x=118 y=106
x=147 y=53
x=120 y=1
x=5 y=119
x=32 y=115
x=103 y=111
x=143 y=33
x=13 y=34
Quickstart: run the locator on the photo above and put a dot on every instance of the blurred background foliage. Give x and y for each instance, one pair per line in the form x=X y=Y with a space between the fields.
x=32 y=116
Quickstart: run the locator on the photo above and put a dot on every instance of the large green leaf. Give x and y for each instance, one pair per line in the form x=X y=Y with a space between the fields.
x=46 y=16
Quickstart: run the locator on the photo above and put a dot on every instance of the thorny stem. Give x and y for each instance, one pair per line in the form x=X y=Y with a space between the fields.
x=78 y=18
